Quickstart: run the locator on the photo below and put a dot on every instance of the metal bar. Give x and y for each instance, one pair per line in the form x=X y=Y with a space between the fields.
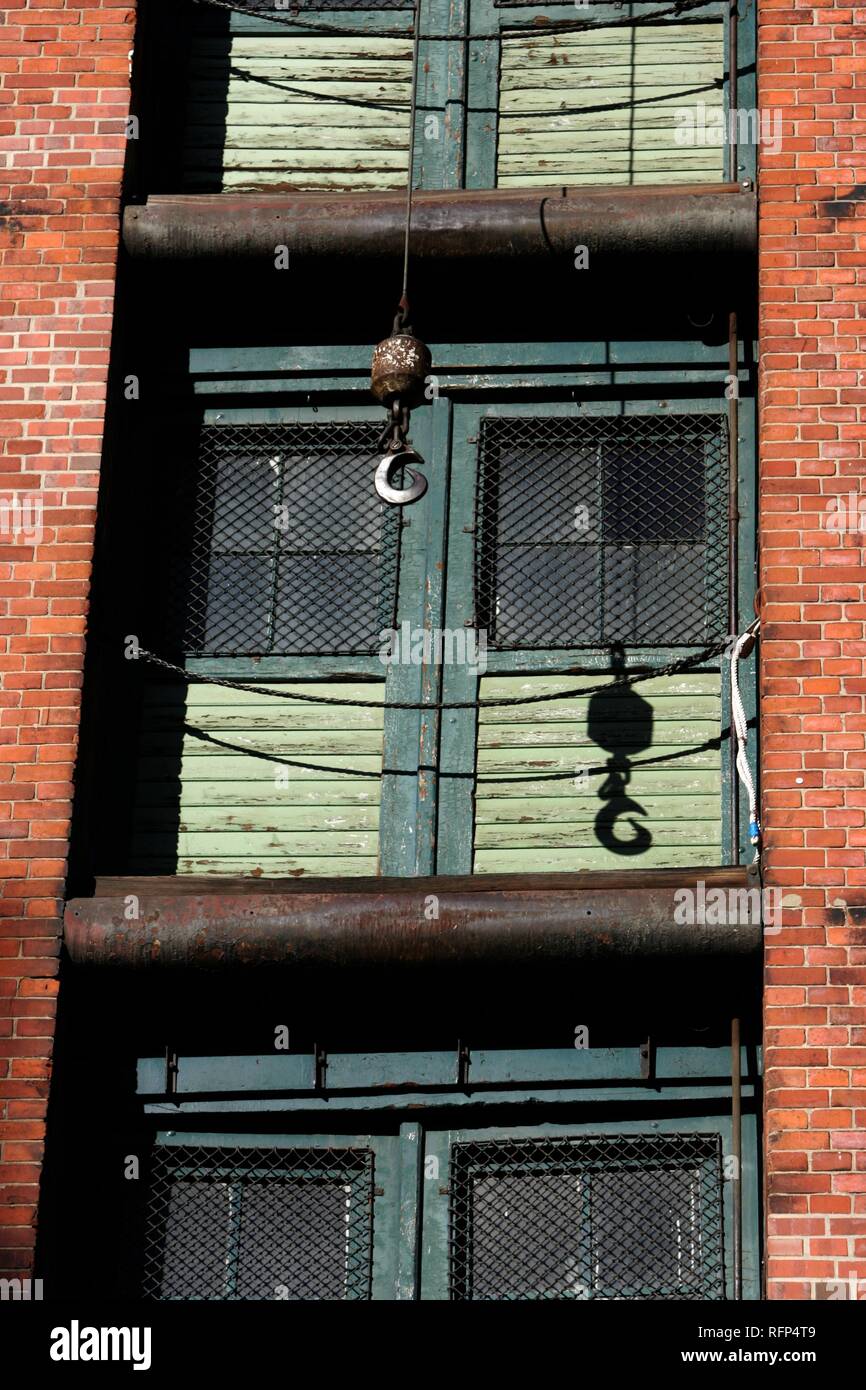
x=733 y=430
x=519 y=926
x=737 y=1157
x=733 y=19
x=733 y=555
x=683 y=220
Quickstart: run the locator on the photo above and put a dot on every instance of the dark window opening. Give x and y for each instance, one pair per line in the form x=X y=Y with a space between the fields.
x=259 y=1224
x=600 y=530
x=610 y=1218
x=280 y=545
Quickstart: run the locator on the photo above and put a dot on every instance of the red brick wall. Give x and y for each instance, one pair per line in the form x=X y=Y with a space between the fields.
x=64 y=96
x=813 y=398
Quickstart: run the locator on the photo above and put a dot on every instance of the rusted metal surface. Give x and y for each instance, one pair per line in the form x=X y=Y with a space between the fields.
x=424 y=921
x=674 y=221
x=401 y=365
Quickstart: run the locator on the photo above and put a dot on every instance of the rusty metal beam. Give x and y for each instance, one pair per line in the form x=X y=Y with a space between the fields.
x=515 y=923
x=672 y=221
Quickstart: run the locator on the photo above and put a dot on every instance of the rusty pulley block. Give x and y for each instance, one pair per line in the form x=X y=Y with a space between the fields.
x=401 y=366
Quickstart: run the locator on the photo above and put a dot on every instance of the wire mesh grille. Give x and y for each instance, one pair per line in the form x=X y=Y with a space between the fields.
x=280 y=544
x=242 y=1224
x=602 y=529
x=626 y=1217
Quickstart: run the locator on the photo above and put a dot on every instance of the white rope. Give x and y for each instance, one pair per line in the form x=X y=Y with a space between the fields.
x=741 y=729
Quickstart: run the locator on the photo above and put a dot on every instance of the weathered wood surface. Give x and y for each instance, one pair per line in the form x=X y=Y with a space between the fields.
x=632 y=84
x=296 y=112
x=204 y=807
x=194 y=885
x=661 y=740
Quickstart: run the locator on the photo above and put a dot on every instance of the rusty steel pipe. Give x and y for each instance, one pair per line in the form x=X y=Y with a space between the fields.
x=518 y=927
x=672 y=221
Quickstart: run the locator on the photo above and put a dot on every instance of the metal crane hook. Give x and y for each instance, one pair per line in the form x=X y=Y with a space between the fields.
x=388 y=466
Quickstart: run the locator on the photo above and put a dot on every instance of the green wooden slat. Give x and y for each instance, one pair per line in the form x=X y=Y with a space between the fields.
x=534 y=761
x=541 y=861
x=499 y=815
x=307 y=790
x=663 y=780
x=203 y=809
x=243 y=819
x=285 y=866
x=257 y=104
x=261 y=845
x=644 y=77
x=572 y=826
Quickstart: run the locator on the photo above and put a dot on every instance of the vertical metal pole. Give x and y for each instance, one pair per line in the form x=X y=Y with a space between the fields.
x=732 y=92
x=737 y=1157
x=733 y=558
x=733 y=431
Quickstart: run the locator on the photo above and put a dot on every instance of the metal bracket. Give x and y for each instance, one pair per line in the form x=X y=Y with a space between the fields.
x=320 y=1063
x=171 y=1070
x=647 y=1060
x=463 y=1059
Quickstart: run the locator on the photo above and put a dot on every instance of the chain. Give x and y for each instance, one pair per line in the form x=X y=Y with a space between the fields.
x=308 y=26
x=671 y=668
x=393 y=438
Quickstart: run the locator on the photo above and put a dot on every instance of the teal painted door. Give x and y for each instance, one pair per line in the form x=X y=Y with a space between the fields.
x=634 y=1209
x=566 y=538
x=585 y=539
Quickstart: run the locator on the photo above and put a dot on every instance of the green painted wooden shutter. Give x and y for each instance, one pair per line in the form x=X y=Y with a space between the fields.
x=212 y=795
x=600 y=106
x=599 y=544
x=272 y=551
x=297 y=111
x=626 y=802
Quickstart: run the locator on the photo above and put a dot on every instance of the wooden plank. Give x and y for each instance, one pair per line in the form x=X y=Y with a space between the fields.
x=665 y=780
x=287 y=866
x=535 y=761
x=262 y=112
x=325 y=47
x=201 y=807
x=574 y=734
x=240 y=181
x=584 y=805
x=645 y=765
x=290 y=111
x=300 y=161
x=534 y=861
x=245 y=768
x=611 y=177
x=619 y=91
x=256 y=845
x=630 y=77
x=250 y=143
x=628 y=880
x=244 y=819
x=582 y=835
x=307 y=790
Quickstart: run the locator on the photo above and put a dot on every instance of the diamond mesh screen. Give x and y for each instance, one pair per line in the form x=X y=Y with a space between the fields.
x=610 y=1218
x=280 y=544
x=236 y=1224
x=602 y=529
